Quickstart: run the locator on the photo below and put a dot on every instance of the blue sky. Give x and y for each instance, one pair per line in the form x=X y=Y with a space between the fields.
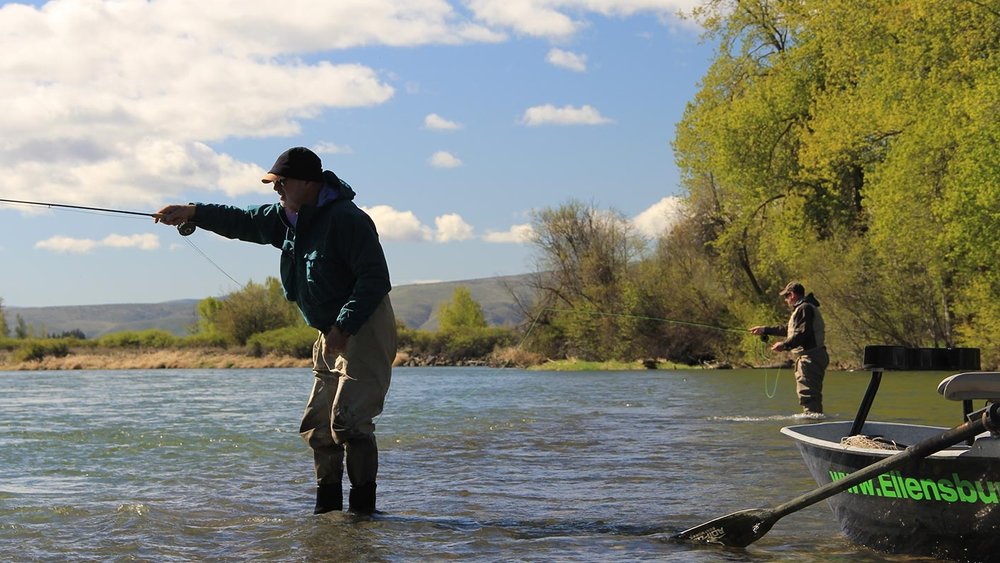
x=453 y=121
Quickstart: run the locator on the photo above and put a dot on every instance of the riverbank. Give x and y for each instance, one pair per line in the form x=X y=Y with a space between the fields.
x=222 y=359
x=151 y=359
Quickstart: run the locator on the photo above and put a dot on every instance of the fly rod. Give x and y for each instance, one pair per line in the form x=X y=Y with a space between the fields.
x=184 y=229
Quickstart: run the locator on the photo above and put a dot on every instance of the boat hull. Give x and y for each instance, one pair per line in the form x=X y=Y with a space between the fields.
x=946 y=505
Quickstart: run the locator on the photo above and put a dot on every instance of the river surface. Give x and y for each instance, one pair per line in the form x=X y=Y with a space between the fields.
x=477 y=464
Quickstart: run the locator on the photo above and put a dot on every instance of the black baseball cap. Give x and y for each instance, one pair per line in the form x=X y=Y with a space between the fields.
x=298 y=163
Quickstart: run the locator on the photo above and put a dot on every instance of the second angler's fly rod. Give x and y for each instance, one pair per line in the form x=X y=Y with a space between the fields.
x=184 y=229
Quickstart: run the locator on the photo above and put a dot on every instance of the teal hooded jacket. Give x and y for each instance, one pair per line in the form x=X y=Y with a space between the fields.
x=332 y=264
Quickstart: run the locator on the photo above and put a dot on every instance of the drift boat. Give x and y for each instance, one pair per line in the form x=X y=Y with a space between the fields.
x=946 y=504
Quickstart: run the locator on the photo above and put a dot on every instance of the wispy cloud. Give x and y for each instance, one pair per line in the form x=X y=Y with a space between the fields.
x=518 y=234
x=556 y=19
x=331 y=148
x=142 y=242
x=539 y=19
x=549 y=114
x=435 y=122
x=444 y=159
x=567 y=60
x=69 y=245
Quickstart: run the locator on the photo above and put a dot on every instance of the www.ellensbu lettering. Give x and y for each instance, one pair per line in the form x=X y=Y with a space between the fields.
x=894 y=485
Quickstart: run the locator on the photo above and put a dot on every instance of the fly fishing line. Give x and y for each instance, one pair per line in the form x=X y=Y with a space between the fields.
x=760 y=347
x=761 y=356
x=185 y=229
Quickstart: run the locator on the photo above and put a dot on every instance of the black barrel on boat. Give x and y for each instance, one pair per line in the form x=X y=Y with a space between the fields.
x=901 y=358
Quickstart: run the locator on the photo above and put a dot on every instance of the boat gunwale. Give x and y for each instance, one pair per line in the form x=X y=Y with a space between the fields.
x=963 y=450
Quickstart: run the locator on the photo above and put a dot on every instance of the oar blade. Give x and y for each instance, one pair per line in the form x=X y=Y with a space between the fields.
x=738 y=529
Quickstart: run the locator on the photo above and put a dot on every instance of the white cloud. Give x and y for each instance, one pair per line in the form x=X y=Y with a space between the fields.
x=330 y=148
x=452 y=227
x=660 y=217
x=396 y=225
x=567 y=60
x=516 y=234
x=567 y=115
x=444 y=159
x=69 y=245
x=435 y=122
x=404 y=226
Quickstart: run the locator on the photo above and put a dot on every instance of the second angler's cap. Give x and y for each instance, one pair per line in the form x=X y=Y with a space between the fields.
x=793 y=287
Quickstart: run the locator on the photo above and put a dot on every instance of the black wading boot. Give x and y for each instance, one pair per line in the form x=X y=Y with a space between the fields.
x=329 y=497
x=362 y=499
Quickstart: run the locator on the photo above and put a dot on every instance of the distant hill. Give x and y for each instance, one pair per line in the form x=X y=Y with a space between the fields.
x=96 y=320
x=416 y=305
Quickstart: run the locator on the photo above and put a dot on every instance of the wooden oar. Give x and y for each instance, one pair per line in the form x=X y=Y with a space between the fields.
x=742 y=528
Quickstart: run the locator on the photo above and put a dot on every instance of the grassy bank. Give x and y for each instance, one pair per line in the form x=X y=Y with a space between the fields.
x=70 y=354
x=222 y=359
x=151 y=359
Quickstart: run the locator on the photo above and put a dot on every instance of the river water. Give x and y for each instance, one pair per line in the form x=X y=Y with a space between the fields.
x=476 y=465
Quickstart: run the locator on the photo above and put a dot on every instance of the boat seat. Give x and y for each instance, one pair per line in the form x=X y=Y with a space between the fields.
x=971 y=385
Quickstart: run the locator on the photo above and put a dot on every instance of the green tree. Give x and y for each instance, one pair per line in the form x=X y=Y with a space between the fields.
x=589 y=303
x=682 y=276
x=4 y=328
x=21 y=328
x=462 y=312
x=207 y=309
x=253 y=309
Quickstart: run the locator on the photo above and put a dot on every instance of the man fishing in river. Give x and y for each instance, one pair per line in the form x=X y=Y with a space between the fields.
x=804 y=338
x=333 y=267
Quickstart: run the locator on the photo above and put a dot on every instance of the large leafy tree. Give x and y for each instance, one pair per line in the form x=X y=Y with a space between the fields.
x=852 y=145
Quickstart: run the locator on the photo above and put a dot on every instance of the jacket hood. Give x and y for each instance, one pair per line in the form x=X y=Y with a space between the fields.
x=344 y=189
x=811 y=299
